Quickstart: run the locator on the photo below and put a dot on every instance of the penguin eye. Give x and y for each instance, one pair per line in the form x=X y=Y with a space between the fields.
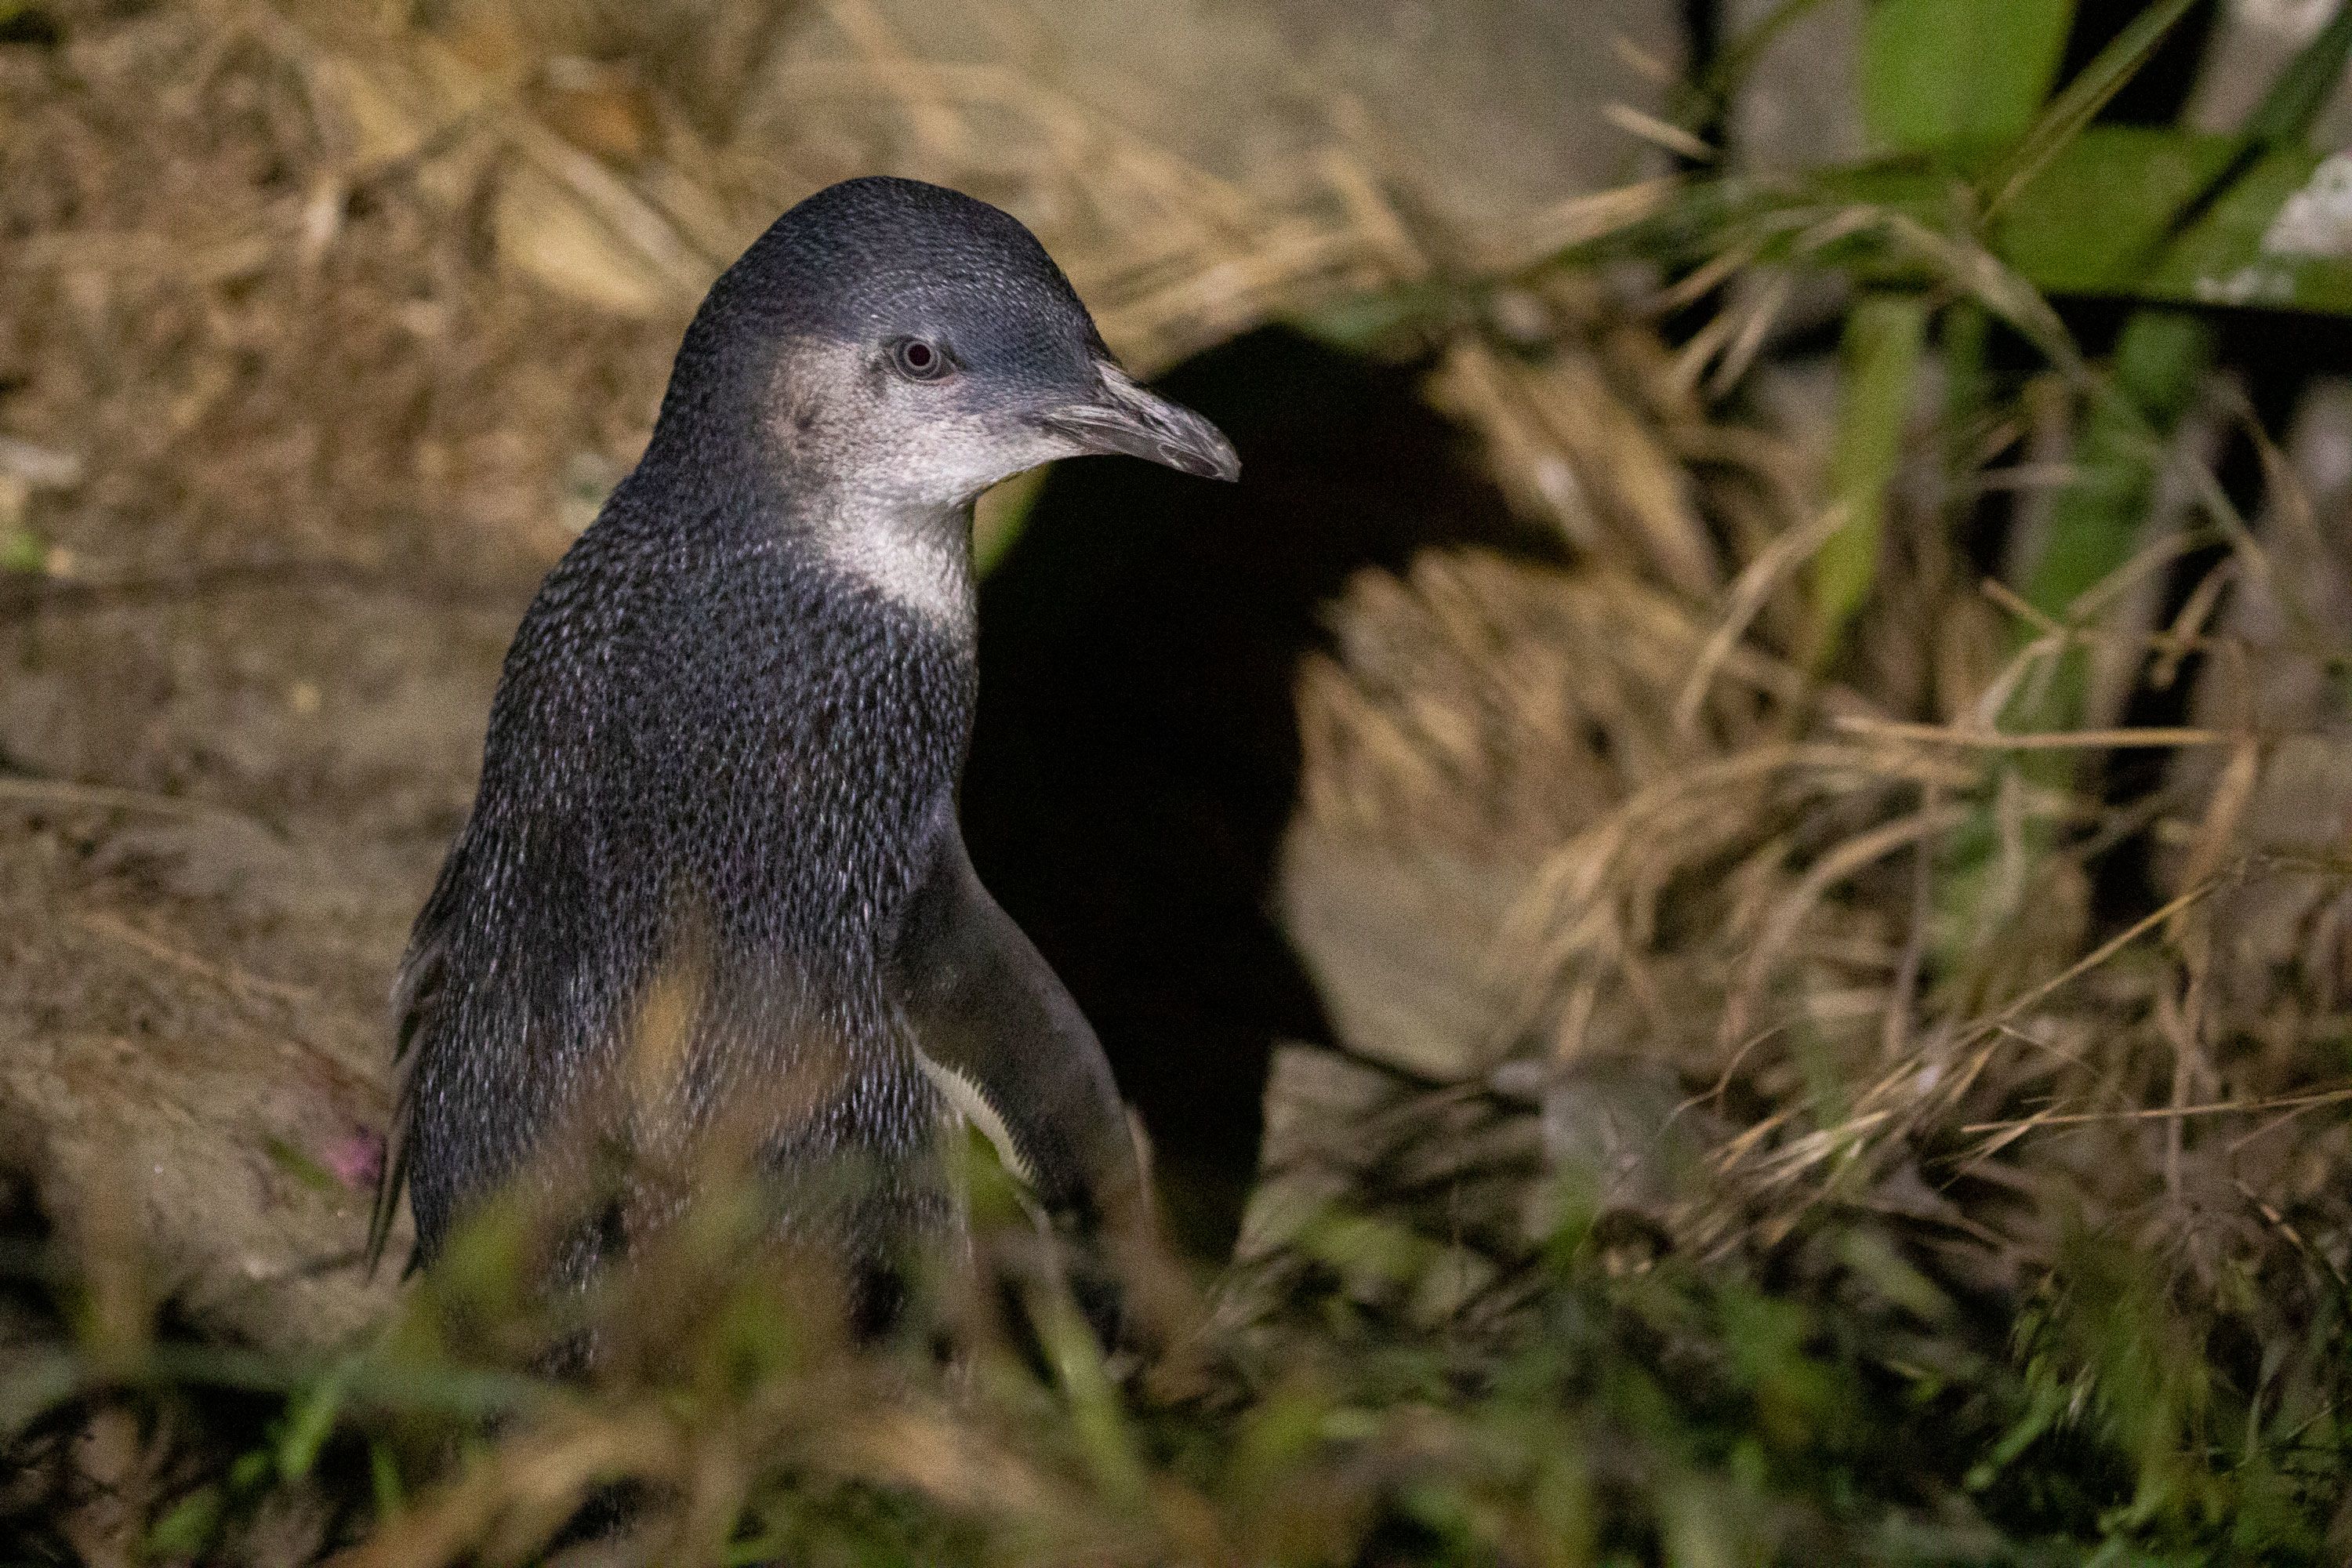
x=918 y=360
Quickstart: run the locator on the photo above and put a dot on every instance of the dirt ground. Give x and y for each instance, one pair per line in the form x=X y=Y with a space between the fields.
x=285 y=460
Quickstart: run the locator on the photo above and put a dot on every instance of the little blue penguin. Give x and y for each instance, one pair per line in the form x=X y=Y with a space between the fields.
x=718 y=789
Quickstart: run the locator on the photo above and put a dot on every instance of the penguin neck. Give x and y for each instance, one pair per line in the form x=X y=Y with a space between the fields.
x=913 y=553
x=916 y=558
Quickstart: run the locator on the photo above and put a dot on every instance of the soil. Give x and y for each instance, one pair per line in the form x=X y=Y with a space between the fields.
x=285 y=462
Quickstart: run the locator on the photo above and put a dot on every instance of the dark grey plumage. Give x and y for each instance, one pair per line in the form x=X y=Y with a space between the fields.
x=725 y=746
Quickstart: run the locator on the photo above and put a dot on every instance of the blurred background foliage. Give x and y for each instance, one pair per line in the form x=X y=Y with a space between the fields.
x=1722 y=883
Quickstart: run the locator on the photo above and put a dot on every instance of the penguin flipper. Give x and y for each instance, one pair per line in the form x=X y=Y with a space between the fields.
x=416 y=992
x=1003 y=1039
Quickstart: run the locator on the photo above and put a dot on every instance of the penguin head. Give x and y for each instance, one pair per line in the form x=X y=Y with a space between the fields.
x=904 y=345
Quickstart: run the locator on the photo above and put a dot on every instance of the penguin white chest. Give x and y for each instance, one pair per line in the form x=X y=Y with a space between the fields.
x=911 y=567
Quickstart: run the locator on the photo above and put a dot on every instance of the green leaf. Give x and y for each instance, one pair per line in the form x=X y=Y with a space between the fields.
x=2282 y=119
x=308 y=1423
x=1938 y=73
x=2048 y=1404
x=301 y=1167
x=191 y=1528
x=2102 y=217
x=247 y=1471
x=2074 y=109
x=1097 y=1414
x=2099 y=220
x=383 y=1480
x=1883 y=341
x=2097 y=522
x=23 y=550
x=2180 y=217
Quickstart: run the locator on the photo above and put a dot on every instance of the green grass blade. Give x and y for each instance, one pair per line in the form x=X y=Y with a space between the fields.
x=2292 y=106
x=2081 y=100
x=2160 y=361
x=1884 y=338
x=310 y=1418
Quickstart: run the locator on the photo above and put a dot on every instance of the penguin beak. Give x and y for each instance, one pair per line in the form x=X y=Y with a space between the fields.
x=1124 y=417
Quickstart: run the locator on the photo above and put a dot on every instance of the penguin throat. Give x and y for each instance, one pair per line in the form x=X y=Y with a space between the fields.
x=918 y=559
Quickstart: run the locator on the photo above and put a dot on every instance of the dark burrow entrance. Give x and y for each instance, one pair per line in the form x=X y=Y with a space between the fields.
x=1137 y=751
